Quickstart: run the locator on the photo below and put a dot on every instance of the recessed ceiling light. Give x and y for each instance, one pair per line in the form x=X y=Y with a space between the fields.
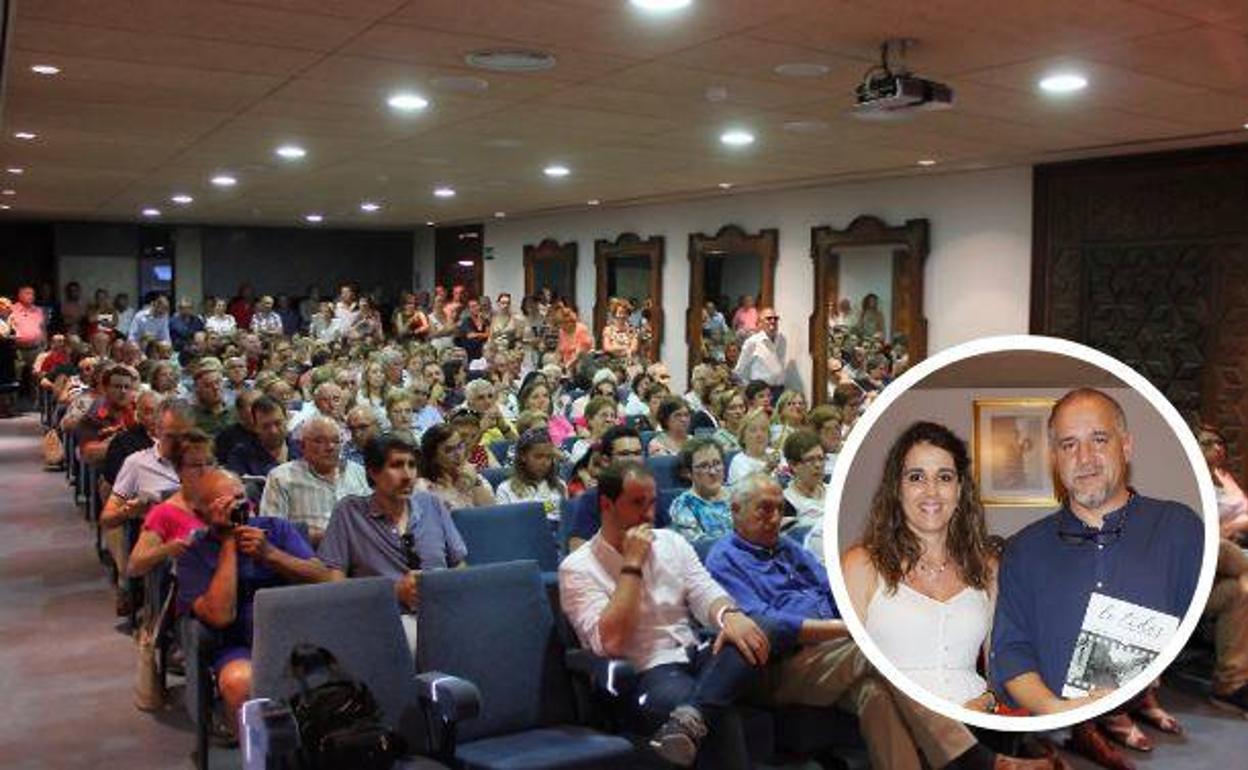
x=291 y=151
x=45 y=69
x=1246 y=125
x=716 y=93
x=802 y=70
x=370 y=207
x=1063 y=83
x=150 y=212
x=660 y=6
x=406 y=101
x=500 y=214
x=510 y=60
x=927 y=162
x=556 y=171
x=224 y=180
x=15 y=170
x=181 y=199
x=726 y=185
x=465 y=263
x=737 y=138
x=315 y=219
x=593 y=202
x=25 y=136
x=5 y=206
x=444 y=192
x=431 y=224
x=8 y=192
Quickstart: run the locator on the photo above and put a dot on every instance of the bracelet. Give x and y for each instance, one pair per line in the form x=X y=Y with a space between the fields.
x=719 y=616
x=630 y=570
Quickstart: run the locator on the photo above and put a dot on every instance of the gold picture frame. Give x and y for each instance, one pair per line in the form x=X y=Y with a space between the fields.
x=1010 y=452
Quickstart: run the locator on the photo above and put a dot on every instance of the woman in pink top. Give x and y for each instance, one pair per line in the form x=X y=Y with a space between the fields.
x=745 y=320
x=574 y=337
x=168 y=527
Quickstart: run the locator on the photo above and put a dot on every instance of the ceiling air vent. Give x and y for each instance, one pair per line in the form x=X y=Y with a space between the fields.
x=511 y=60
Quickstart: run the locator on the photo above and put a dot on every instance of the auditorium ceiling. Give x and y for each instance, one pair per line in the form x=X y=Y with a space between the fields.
x=156 y=97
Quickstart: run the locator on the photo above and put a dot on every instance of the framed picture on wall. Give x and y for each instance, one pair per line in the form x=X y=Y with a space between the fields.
x=1010 y=452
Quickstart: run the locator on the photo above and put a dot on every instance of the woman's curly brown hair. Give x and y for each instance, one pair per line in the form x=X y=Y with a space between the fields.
x=893 y=547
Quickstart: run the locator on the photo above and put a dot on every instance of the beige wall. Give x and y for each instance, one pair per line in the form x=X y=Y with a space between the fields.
x=1160 y=468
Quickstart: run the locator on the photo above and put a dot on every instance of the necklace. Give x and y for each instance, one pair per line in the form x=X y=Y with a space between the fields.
x=930 y=570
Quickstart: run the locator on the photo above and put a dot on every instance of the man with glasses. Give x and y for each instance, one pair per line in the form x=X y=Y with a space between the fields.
x=362 y=425
x=424 y=414
x=146 y=477
x=620 y=443
x=1106 y=544
x=762 y=355
x=306 y=490
x=396 y=532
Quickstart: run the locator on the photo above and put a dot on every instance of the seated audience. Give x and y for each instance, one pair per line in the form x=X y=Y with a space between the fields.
x=220 y=573
x=701 y=513
x=673 y=420
x=240 y=431
x=445 y=471
x=267 y=446
x=535 y=474
x=804 y=497
x=619 y=444
x=305 y=490
x=756 y=454
x=362 y=425
x=212 y=416
x=396 y=532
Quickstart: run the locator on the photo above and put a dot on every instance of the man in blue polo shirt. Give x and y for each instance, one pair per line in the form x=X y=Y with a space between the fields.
x=396 y=532
x=813 y=661
x=1106 y=540
x=620 y=443
x=224 y=567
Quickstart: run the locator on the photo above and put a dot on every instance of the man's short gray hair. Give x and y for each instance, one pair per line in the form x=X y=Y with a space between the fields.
x=474 y=388
x=179 y=407
x=745 y=490
x=319 y=421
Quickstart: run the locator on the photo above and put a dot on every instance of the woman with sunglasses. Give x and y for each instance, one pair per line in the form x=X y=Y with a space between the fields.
x=445 y=472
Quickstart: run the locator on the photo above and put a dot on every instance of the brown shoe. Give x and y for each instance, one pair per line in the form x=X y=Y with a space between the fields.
x=1088 y=741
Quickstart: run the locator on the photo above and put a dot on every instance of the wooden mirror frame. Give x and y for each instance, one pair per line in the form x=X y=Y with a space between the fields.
x=630 y=245
x=907 y=302
x=548 y=250
x=730 y=238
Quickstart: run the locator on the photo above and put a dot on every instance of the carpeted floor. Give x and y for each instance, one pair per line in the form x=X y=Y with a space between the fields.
x=67 y=664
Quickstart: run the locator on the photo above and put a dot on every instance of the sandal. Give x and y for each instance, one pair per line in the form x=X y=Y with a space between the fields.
x=1088 y=741
x=1122 y=728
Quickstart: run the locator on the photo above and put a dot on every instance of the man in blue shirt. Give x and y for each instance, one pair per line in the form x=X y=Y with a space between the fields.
x=397 y=532
x=224 y=567
x=1106 y=540
x=813 y=660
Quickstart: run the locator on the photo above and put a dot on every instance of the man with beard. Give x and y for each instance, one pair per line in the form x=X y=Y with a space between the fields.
x=1107 y=541
x=395 y=532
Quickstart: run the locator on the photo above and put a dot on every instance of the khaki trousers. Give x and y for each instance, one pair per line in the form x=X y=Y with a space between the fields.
x=895 y=728
x=1228 y=604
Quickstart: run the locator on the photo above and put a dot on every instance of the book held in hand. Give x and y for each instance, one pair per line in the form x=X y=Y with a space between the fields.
x=1116 y=642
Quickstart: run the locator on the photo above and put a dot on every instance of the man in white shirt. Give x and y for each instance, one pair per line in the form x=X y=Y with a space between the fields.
x=151 y=322
x=762 y=355
x=634 y=592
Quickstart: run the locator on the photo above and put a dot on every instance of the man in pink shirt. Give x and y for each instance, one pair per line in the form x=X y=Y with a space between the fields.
x=29 y=330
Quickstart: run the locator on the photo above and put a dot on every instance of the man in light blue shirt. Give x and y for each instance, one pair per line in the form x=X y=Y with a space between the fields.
x=152 y=322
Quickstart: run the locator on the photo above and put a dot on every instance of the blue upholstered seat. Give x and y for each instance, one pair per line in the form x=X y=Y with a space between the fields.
x=502 y=533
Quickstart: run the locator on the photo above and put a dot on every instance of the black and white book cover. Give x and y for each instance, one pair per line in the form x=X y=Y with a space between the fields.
x=1118 y=639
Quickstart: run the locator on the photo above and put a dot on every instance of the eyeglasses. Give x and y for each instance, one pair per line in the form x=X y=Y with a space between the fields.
x=710 y=465
x=408 y=541
x=1097 y=536
x=771 y=318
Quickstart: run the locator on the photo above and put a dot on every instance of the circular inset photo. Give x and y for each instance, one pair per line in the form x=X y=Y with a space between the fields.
x=1026 y=531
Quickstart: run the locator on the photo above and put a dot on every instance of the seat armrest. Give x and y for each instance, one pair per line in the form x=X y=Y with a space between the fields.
x=614 y=676
x=450 y=698
x=269 y=735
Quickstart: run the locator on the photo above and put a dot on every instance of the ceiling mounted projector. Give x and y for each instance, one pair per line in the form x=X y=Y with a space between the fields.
x=890 y=92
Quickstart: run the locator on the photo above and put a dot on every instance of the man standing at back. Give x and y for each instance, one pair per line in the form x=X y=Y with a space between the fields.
x=762 y=355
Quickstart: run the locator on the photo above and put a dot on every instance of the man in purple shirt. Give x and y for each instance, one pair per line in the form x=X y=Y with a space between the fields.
x=396 y=532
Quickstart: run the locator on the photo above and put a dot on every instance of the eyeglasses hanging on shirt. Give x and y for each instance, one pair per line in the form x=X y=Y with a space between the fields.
x=408 y=541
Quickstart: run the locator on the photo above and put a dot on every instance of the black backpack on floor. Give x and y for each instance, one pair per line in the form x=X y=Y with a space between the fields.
x=340 y=725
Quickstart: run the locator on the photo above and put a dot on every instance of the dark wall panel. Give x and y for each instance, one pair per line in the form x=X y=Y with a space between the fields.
x=278 y=260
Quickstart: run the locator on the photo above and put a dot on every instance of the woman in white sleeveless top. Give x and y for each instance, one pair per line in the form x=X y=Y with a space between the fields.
x=923 y=580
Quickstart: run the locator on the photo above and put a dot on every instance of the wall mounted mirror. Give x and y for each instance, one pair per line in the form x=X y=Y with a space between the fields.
x=551 y=265
x=868 y=298
x=630 y=269
x=737 y=272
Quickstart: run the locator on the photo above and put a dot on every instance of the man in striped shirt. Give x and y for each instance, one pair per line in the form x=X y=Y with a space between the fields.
x=306 y=490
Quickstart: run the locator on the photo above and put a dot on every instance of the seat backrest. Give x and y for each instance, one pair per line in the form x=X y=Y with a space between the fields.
x=666 y=470
x=502 y=533
x=646 y=435
x=495 y=476
x=663 y=506
x=493 y=626
x=500 y=449
x=358 y=621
